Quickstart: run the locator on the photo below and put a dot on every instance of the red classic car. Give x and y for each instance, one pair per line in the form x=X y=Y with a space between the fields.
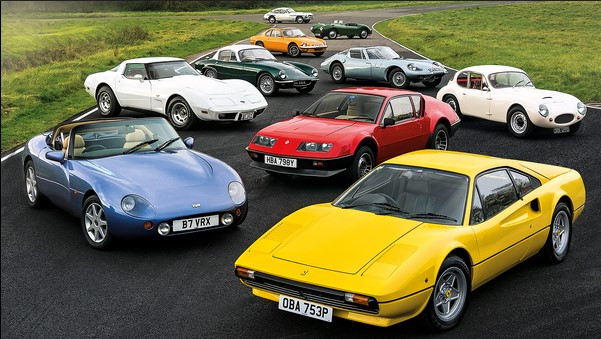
x=353 y=129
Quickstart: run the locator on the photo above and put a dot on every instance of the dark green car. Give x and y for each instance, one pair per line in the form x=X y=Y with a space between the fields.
x=259 y=67
x=338 y=27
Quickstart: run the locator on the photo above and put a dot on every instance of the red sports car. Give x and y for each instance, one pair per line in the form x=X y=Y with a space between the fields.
x=353 y=129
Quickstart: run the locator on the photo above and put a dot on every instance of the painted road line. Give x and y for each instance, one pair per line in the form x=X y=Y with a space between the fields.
x=86 y=114
x=12 y=154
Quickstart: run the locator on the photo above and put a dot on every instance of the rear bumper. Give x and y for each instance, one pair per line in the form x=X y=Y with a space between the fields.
x=311 y=167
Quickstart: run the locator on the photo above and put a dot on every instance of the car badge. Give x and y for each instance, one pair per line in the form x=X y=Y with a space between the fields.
x=305 y=272
x=195 y=205
x=242 y=101
x=287 y=142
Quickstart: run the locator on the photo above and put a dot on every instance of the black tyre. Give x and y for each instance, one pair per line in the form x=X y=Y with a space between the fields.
x=318 y=54
x=450 y=295
x=333 y=34
x=94 y=225
x=518 y=122
x=306 y=21
x=452 y=101
x=398 y=79
x=210 y=73
x=260 y=43
x=337 y=73
x=363 y=162
x=440 y=138
x=32 y=192
x=299 y=20
x=560 y=234
x=266 y=85
x=180 y=114
x=575 y=127
x=306 y=89
x=350 y=36
x=364 y=34
x=271 y=19
x=107 y=102
x=293 y=50
x=432 y=83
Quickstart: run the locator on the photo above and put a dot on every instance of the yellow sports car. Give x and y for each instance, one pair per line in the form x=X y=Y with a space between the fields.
x=289 y=40
x=414 y=236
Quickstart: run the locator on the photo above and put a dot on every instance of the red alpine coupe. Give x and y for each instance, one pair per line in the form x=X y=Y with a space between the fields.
x=353 y=129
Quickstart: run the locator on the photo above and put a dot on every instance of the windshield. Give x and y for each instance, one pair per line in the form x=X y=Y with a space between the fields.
x=255 y=54
x=509 y=79
x=105 y=139
x=291 y=33
x=347 y=106
x=411 y=193
x=382 y=53
x=169 y=69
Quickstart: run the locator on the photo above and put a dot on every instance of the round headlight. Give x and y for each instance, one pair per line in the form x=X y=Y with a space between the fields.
x=128 y=203
x=237 y=193
x=314 y=72
x=543 y=110
x=227 y=219
x=581 y=108
x=163 y=228
x=282 y=74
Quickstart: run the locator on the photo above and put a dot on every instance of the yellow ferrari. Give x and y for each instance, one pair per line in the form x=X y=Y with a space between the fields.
x=289 y=40
x=414 y=236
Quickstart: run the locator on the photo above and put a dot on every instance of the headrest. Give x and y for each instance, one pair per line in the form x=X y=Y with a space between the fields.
x=79 y=142
x=417 y=187
x=135 y=136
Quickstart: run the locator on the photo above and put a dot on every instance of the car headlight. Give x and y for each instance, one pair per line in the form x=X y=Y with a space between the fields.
x=413 y=67
x=264 y=141
x=137 y=206
x=310 y=146
x=282 y=74
x=237 y=192
x=543 y=110
x=314 y=72
x=304 y=44
x=581 y=108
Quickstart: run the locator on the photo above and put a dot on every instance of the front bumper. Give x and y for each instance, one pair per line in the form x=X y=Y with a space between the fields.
x=311 y=167
x=555 y=120
x=216 y=114
x=310 y=49
x=425 y=75
x=296 y=83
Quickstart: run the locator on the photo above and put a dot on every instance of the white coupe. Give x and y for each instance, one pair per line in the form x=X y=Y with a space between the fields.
x=287 y=14
x=506 y=94
x=172 y=87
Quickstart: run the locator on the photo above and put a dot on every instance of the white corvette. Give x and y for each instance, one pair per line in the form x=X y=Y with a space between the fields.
x=172 y=87
x=506 y=94
x=287 y=14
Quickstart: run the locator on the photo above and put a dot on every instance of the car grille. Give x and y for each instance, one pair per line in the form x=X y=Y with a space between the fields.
x=564 y=118
x=307 y=292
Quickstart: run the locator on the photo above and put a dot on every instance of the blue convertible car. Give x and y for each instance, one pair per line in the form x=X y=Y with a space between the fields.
x=131 y=178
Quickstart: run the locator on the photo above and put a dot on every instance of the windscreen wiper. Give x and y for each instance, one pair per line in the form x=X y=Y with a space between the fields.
x=431 y=216
x=166 y=144
x=140 y=145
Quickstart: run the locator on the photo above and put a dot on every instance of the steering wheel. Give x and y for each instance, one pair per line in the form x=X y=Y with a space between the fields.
x=94 y=148
x=389 y=199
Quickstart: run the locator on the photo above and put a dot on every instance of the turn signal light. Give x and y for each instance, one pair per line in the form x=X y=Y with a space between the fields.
x=254 y=155
x=245 y=273
x=238 y=211
x=148 y=225
x=357 y=299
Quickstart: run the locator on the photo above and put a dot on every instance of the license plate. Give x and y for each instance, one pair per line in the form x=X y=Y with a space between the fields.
x=301 y=83
x=560 y=130
x=308 y=309
x=246 y=115
x=195 y=223
x=283 y=162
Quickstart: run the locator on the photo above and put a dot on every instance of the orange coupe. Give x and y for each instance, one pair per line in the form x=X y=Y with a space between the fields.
x=289 y=40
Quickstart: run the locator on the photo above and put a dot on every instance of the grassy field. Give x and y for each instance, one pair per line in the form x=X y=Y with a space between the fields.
x=44 y=63
x=557 y=43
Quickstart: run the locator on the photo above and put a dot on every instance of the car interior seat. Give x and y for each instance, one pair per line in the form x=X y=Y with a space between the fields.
x=78 y=147
x=134 y=138
x=417 y=197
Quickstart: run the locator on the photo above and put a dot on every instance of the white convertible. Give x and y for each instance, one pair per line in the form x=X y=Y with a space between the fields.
x=506 y=94
x=172 y=87
x=287 y=14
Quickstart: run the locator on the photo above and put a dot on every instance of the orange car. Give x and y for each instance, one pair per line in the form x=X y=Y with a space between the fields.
x=289 y=40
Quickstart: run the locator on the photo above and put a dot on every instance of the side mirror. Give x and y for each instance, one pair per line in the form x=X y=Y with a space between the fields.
x=296 y=112
x=485 y=89
x=388 y=122
x=58 y=156
x=189 y=142
x=139 y=77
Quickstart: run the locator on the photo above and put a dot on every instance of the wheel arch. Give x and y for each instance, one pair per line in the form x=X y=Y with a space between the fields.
x=369 y=142
x=391 y=68
x=27 y=158
x=566 y=200
x=512 y=106
x=333 y=63
x=99 y=86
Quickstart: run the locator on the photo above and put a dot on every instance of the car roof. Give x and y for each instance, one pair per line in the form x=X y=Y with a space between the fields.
x=487 y=69
x=458 y=162
x=382 y=91
x=237 y=48
x=149 y=60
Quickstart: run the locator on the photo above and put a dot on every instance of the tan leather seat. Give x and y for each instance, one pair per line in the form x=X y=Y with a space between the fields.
x=353 y=109
x=78 y=148
x=134 y=138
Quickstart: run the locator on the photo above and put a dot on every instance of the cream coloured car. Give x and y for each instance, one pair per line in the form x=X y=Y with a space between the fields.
x=506 y=94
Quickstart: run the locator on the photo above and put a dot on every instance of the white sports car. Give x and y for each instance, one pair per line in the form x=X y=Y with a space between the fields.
x=506 y=94
x=287 y=14
x=172 y=87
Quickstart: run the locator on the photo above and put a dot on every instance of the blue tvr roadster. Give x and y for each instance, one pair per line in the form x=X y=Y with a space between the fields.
x=131 y=178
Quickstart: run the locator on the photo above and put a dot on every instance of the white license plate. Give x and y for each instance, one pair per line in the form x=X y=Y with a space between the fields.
x=560 y=130
x=283 y=162
x=195 y=223
x=246 y=115
x=305 y=308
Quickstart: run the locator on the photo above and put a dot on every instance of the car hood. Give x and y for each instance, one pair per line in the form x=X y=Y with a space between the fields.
x=341 y=240
x=312 y=127
x=289 y=68
x=541 y=96
x=204 y=84
x=309 y=40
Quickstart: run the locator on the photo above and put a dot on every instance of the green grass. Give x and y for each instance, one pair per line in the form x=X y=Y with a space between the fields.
x=47 y=61
x=556 y=43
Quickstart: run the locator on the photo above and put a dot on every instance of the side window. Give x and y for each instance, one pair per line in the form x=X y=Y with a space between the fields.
x=524 y=183
x=268 y=33
x=233 y=56
x=402 y=110
x=388 y=112
x=477 y=214
x=462 y=79
x=476 y=81
x=224 y=55
x=417 y=103
x=497 y=192
x=356 y=54
x=132 y=69
x=276 y=34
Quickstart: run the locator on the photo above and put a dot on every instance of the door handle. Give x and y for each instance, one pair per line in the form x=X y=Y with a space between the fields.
x=463 y=93
x=488 y=98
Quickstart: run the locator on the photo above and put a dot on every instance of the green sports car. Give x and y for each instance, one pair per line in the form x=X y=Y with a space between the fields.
x=338 y=27
x=259 y=67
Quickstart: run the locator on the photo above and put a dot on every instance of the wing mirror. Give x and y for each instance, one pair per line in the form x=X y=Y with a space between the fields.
x=387 y=122
x=58 y=156
x=296 y=112
x=485 y=89
x=139 y=77
x=189 y=142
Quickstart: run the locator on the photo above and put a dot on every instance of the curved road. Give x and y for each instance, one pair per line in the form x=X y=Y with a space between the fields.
x=53 y=285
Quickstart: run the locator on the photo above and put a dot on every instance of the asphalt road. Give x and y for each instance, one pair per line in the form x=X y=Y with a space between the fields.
x=54 y=285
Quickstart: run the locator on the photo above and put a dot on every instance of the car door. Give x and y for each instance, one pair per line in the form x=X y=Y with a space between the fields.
x=132 y=88
x=227 y=65
x=406 y=134
x=53 y=177
x=281 y=14
x=277 y=41
x=356 y=65
x=503 y=220
x=475 y=98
